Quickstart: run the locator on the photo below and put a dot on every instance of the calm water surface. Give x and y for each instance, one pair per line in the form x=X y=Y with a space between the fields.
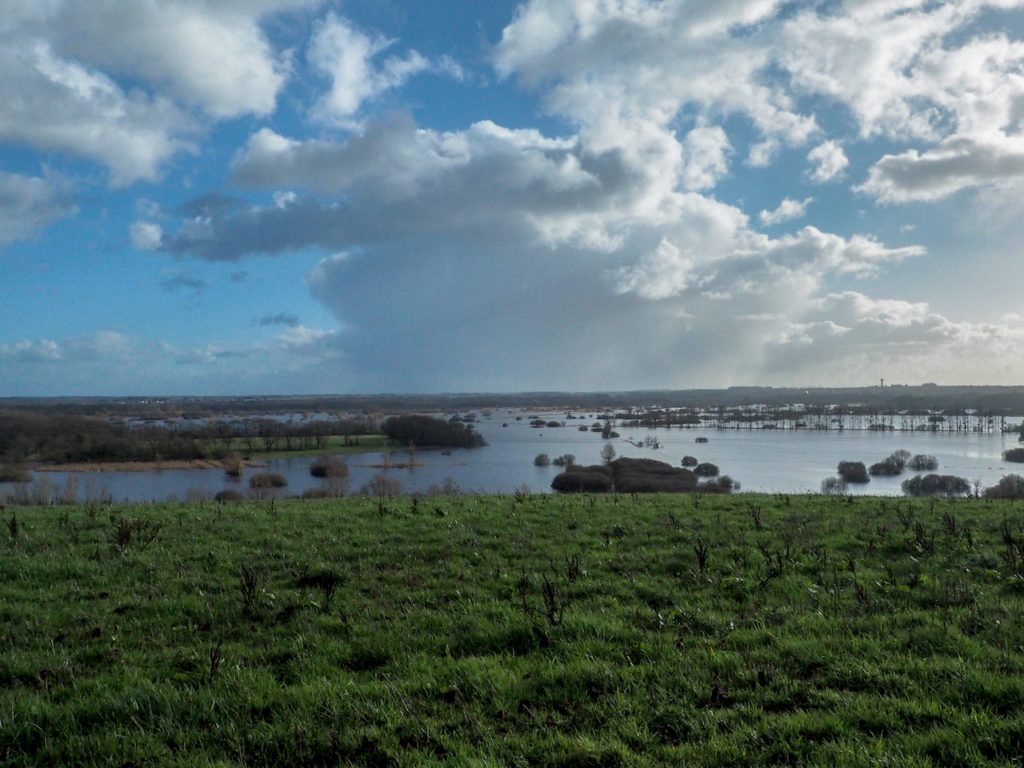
x=772 y=461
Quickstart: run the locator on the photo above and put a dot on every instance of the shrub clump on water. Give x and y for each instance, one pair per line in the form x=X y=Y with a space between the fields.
x=1015 y=455
x=891 y=466
x=577 y=479
x=936 y=485
x=853 y=472
x=635 y=476
x=326 y=467
x=1009 y=487
x=428 y=432
x=268 y=480
x=923 y=462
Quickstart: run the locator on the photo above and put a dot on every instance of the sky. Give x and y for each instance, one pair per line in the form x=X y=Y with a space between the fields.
x=234 y=197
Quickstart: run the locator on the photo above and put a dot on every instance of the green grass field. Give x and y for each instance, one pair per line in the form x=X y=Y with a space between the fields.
x=737 y=630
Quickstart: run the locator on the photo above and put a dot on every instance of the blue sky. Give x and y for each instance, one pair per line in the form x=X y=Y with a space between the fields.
x=300 y=196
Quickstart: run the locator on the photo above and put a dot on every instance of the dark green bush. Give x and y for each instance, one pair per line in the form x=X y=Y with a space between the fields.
x=327 y=467
x=923 y=463
x=1015 y=455
x=889 y=467
x=228 y=494
x=577 y=479
x=1009 y=487
x=268 y=480
x=853 y=472
x=936 y=485
x=425 y=431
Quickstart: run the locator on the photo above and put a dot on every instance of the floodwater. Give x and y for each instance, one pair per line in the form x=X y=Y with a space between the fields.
x=770 y=461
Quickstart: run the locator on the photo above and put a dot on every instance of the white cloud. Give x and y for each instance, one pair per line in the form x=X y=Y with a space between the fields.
x=468 y=255
x=29 y=203
x=706 y=163
x=934 y=174
x=788 y=210
x=213 y=54
x=829 y=161
x=145 y=236
x=849 y=336
x=120 y=82
x=65 y=106
x=347 y=56
x=99 y=345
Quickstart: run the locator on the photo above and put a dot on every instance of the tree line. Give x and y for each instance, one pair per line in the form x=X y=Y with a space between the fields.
x=65 y=438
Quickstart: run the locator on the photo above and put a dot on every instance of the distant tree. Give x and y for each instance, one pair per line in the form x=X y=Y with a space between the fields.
x=853 y=471
x=541 y=460
x=888 y=467
x=727 y=483
x=576 y=479
x=608 y=453
x=689 y=461
x=268 y=480
x=705 y=469
x=923 y=463
x=233 y=465
x=1009 y=487
x=382 y=487
x=425 y=431
x=833 y=486
x=565 y=460
x=936 y=485
x=1016 y=455
x=327 y=466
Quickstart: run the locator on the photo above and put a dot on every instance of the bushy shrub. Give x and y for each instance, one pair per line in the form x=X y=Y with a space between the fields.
x=923 y=463
x=888 y=467
x=1016 y=455
x=723 y=484
x=382 y=486
x=268 y=480
x=1009 y=487
x=228 y=494
x=705 y=469
x=833 y=486
x=936 y=485
x=233 y=465
x=651 y=476
x=577 y=479
x=327 y=467
x=636 y=476
x=541 y=460
x=425 y=431
x=565 y=460
x=853 y=472
x=689 y=461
